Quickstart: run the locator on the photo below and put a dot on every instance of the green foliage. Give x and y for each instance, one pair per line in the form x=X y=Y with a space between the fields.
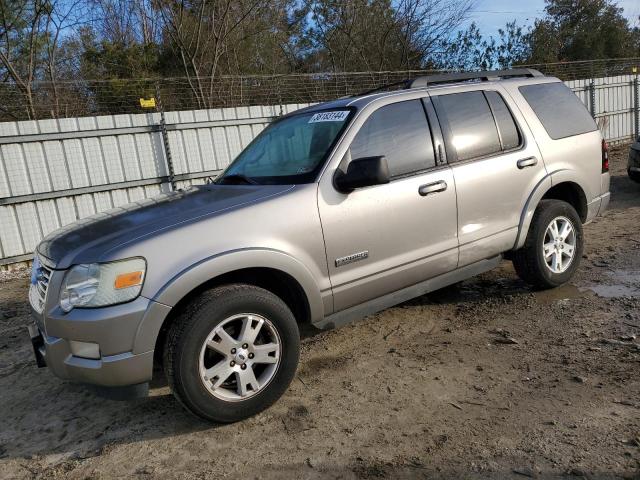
x=103 y=59
x=23 y=36
x=379 y=35
x=469 y=50
x=570 y=30
x=361 y=35
x=110 y=66
x=581 y=30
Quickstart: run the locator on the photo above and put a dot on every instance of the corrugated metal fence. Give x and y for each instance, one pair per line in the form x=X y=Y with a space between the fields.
x=53 y=172
x=615 y=104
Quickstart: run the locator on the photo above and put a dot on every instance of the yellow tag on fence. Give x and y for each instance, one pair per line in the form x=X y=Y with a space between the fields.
x=148 y=102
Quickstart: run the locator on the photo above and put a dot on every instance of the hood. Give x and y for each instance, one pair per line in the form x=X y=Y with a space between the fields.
x=88 y=239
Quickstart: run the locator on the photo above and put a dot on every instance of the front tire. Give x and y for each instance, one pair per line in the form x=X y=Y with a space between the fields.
x=232 y=353
x=553 y=248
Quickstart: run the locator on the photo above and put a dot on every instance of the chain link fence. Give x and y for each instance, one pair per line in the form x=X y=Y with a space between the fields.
x=76 y=98
x=589 y=69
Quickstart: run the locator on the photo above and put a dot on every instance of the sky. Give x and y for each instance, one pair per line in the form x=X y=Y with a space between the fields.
x=490 y=15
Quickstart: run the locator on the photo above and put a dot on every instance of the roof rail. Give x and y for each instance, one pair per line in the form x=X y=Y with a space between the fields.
x=421 y=82
x=403 y=83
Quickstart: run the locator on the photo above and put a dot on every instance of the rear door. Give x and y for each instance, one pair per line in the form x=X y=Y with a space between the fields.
x=382 y=238
x=496 y=165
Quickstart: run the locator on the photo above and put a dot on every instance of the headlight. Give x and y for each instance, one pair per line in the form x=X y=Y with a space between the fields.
x=102 y=284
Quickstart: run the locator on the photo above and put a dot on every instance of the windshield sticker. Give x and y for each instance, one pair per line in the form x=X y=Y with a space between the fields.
x=337 y=116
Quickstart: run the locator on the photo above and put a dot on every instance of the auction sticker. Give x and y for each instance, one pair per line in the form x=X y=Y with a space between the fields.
x=337 y=116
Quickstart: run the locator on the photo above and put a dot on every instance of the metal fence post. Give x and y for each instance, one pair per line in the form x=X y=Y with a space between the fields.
x=592 y=99
x=165 y=139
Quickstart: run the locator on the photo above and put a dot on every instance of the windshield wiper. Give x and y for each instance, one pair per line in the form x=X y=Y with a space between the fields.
x=237 y=177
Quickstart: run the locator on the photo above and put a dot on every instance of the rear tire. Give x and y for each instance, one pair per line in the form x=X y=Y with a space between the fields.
x=547 y=260
x=232 y=353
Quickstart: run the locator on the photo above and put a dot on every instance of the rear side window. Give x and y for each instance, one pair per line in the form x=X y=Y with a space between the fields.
x=507 y=129
x=473 y=130
x=401 y=133
x=560 y=111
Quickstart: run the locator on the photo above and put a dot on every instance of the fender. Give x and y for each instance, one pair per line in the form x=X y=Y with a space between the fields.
x=195 y=275
x=546 y=183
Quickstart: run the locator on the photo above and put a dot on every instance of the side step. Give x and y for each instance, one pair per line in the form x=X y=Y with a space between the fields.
x=357 y=312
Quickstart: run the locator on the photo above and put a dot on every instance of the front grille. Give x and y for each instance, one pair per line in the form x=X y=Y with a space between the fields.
x=40 y=277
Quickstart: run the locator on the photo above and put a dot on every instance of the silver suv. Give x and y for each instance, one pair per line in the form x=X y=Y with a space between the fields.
x=333 y=212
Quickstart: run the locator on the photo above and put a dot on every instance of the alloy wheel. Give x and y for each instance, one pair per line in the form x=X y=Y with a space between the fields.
x=559 y=244
x=240 y=357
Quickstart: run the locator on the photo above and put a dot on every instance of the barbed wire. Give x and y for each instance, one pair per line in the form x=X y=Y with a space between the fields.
x=585 y=69
x=75 y=98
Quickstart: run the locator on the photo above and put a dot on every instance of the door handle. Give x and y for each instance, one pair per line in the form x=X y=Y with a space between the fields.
x=434 y=187
x=527 y=162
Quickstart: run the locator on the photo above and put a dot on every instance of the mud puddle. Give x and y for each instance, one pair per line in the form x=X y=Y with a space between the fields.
x=627 y=284
x=560 y=294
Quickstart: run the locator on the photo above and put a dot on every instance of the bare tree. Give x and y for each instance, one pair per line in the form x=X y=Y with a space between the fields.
x=370 y=35
x=127 y=21
x=426 y=23
x=30 y=35
x=203 y=32
x=20 y=30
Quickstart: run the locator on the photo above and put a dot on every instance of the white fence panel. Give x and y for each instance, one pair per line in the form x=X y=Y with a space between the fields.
x=118 y=159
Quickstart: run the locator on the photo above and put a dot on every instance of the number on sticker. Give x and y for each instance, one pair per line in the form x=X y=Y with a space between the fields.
x=337 y=116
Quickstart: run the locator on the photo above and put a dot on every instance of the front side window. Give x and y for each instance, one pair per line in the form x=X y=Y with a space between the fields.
x=290 y=151
x=401 y=133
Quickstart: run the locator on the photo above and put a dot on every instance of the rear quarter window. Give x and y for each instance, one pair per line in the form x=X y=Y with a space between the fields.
x=559 y=110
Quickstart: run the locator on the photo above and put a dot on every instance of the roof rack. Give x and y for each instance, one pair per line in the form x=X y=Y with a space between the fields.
x=421 y=82
x=485 y=76
x=404 y=83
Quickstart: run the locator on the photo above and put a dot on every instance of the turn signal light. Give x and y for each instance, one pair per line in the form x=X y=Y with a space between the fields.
x=126 y=280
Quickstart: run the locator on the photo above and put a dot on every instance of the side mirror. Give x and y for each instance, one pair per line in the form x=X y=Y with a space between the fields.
x=362 y=172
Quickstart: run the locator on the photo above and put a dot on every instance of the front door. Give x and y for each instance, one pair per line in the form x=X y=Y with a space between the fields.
x=383 y=238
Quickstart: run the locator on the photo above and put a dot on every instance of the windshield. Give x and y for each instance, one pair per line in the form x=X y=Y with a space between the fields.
x=289 y=151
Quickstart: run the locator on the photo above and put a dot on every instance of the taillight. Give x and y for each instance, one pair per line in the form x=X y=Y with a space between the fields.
x=605 y=156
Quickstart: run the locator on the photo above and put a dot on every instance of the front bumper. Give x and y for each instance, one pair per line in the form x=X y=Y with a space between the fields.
x=116 y=329
x=109 y=371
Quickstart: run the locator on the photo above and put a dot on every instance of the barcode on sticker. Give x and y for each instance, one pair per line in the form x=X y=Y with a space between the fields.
x=337 y=116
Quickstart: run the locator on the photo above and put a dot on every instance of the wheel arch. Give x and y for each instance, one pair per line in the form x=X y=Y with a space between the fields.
x=274 y=271
x=560 y=186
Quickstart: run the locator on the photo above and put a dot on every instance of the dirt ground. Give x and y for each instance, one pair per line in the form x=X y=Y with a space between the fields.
x=485 y=379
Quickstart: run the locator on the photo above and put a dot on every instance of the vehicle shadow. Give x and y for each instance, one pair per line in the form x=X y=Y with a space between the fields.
x=625 y=192
x=41 y=414
x=494 y=285
x=78 y=423
x=424 y=468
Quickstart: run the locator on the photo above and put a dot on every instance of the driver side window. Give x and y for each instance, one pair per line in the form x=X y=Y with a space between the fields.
x=401 y=133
